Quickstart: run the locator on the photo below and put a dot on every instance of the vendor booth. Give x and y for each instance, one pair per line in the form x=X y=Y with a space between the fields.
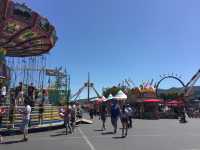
x=150 y=108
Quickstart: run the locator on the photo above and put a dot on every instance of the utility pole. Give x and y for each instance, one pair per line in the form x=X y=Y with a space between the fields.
x=88 y=86
x=69 y=89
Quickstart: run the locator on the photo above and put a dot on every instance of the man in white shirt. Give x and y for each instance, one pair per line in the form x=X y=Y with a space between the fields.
x=26 y=115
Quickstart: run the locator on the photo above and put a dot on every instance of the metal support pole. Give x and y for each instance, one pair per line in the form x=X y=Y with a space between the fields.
x=88 y=86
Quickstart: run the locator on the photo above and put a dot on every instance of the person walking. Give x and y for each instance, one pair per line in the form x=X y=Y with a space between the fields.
x=73 y=117
x=124 y=120
x=115 y=112
x=91 y=111
x=79 y=113
x=103 y=113
x=129 y=110
x=66 y=114
x=26 y=115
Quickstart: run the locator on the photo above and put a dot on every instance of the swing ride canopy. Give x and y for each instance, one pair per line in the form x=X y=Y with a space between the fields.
x=24 y=32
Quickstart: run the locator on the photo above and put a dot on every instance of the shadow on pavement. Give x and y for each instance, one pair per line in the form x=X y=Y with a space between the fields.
x=107 y=133
x=14 y=142
x=58 y=134
x=98 y=130
x=118 y=137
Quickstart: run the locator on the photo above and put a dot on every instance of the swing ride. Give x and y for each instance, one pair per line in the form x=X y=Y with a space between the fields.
x=24 y=34
x=24 y=37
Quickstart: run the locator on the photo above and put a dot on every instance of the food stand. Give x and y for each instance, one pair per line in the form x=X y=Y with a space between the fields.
x=150 y=108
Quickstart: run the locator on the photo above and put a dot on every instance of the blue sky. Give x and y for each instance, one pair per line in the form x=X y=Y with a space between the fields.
x=117 y=39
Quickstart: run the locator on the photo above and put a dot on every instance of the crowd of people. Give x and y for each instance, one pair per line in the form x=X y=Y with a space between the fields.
x=70 y=113
x=22 y=99
x=29 y=93
x=19 y=95
x=114 y=111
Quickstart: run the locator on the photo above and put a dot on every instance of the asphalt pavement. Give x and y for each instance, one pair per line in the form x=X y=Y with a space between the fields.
x=145 y=135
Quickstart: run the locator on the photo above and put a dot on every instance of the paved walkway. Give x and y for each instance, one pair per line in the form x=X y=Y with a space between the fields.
x=146 y=135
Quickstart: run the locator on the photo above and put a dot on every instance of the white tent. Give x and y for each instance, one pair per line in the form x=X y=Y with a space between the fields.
x=110 y=97
x=94 y=99
x=99 y=99
x=104 y=99
x=120 y=96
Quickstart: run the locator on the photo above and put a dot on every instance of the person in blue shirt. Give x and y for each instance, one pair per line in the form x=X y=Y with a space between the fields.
x=115 y=113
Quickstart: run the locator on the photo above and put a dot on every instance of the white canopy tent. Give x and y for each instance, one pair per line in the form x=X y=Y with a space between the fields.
x=99 y=99
x=110 y=97
x=120 y=96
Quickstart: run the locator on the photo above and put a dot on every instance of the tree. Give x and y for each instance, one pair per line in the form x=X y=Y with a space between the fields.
x=169 y=96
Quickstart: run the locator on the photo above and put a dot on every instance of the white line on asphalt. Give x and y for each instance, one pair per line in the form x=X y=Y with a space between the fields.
x=86 y=139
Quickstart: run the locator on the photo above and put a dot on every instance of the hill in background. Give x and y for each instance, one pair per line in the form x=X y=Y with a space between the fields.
x=195 y=91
